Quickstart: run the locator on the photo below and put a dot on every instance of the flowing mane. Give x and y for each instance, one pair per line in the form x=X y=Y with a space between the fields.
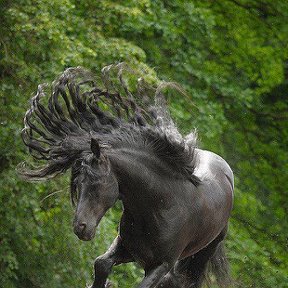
x=80 y=107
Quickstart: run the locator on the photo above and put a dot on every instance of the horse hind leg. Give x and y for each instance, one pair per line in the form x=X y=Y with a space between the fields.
x=195 y=267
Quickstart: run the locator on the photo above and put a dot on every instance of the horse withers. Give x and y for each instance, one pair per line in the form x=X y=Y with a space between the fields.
x=176 y=198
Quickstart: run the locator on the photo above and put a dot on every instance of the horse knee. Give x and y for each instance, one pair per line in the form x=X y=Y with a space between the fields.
x=102 y=267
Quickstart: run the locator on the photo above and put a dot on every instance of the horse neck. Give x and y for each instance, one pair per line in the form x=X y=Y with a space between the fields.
x=138 y=171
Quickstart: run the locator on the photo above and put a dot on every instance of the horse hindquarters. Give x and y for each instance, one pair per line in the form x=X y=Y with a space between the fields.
x=194 y=268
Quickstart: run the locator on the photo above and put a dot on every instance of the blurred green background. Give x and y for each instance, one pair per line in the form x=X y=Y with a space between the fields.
x=232 y=58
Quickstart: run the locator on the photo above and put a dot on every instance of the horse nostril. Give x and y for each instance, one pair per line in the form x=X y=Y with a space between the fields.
x=79 y=228
x=82 y=226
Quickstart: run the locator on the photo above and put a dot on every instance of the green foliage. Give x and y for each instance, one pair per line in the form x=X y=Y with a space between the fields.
x=231 y=57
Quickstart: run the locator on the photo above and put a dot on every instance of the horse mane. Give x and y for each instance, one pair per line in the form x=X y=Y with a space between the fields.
x=81 y=106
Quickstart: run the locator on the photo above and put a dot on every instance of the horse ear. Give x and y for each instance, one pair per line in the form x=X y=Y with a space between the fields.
x=95 y=147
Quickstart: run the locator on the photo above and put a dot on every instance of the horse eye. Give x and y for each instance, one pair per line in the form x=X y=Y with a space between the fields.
x=96 y=164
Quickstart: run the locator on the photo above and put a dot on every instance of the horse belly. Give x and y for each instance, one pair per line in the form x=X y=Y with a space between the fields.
x=209 y=219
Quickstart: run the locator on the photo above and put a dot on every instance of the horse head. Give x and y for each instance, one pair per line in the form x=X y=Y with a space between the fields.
x=96 y=189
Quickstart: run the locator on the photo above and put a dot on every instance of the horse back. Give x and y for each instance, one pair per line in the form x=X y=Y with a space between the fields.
x=212 y=167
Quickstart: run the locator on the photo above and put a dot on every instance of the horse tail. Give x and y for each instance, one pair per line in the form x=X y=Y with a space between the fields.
x=196 y=270
x=218 y=266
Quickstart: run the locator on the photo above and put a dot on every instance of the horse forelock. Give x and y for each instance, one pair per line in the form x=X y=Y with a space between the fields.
x=79 y=105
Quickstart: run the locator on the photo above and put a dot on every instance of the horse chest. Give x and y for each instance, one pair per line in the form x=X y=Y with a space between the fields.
x=152 y=238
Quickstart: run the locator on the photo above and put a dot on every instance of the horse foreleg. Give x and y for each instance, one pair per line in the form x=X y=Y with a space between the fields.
x=115 y=255
x=154 y=276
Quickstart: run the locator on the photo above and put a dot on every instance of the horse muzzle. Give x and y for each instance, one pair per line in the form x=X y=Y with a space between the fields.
x=83 y=231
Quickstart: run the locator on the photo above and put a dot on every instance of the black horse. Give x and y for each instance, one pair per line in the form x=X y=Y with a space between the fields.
x=176 y=198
